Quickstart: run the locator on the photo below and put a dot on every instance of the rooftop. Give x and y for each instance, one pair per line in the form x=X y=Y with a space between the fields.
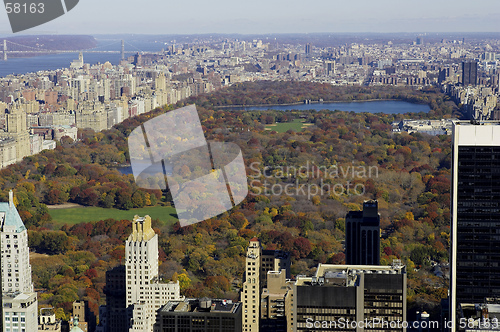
x=346 y=275
x=202 y=305
x=9 y=217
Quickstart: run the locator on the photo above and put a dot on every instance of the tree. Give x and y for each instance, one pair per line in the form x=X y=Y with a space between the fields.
x=138 y=199
x=238 y=220
x=184 y=280
x=124 y=200
x=302 y=247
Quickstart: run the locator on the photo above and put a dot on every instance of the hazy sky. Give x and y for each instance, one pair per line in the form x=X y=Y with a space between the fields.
x=271 y=16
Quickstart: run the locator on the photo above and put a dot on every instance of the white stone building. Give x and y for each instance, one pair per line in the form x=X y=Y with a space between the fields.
x=16 y=268
x=145 y=293
x=20 y=312
x=19 y=301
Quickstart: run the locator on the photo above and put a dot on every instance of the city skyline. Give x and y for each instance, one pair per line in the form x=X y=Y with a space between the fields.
x=222 y=16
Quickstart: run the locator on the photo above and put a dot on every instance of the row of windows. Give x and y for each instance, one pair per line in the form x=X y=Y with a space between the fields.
x=14 y=319
x=8 y=236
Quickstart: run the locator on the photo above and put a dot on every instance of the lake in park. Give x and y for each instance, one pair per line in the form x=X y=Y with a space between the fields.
x=376 y=106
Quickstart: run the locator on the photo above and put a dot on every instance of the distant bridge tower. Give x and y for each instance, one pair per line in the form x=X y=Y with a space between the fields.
x=123 y=49
x=5 y=50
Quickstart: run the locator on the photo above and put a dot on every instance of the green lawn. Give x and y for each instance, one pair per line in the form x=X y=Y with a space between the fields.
x=297 y=125
x=72 y=216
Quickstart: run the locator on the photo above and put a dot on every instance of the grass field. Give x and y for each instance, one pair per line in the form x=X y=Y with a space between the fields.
x=297 y=125
x=72 y=216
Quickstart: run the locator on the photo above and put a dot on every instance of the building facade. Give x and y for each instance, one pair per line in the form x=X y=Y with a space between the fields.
x=145 y=293
x=258 y=265
x=117 y=314
x=16 y=128
x=251 y=287
x=16 y=268
x=355 y=293
x=8 y=154
x=200 y=315
x=363 y=235
x=274 y=260
x=20 y=312
x=20 y=305
x=475 y=224
x=86 y=318
x=469 y=73
x=276 y=303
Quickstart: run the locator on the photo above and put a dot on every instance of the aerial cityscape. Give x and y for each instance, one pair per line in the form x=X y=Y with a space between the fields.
x=259 y=176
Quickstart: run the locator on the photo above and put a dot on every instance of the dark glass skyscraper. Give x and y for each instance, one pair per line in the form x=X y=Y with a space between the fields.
x=363 y=235
x=469 y=73
x=475 y=226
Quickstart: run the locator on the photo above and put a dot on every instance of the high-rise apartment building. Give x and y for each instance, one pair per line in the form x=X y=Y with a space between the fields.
x=134 y=292
x=308 y=49
x=161 y=82
x=20 y=303
x=330 y=68
x=339 y=294
x=91 y=115
x=250 y=294
x=363 y=235
x=276 y=303
x=469 y=73
x=16 y=128
x=145 y=293
x=16 y=268
x=258 y=265
x=475 y=208
x=117 y=315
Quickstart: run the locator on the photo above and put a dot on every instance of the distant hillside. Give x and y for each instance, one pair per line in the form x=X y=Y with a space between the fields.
x=55 y=42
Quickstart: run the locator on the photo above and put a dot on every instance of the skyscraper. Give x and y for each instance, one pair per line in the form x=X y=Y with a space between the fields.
x=117 y=315
x=259 y=265
x=308 y=48
x=15 y=121
x=469 y=73
x=145 y=293
x=251 y=287
x=475 y=220
x=363 y=235
x=20 y=303
x=16 y=268
x=330 y=68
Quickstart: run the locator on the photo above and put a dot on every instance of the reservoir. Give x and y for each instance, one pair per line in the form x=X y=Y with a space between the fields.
x=375 y=106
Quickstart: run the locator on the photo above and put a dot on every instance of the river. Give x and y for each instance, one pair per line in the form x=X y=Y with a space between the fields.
x=63 y=60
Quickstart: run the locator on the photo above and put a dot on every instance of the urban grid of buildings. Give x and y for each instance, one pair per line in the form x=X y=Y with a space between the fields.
x=38 y=108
